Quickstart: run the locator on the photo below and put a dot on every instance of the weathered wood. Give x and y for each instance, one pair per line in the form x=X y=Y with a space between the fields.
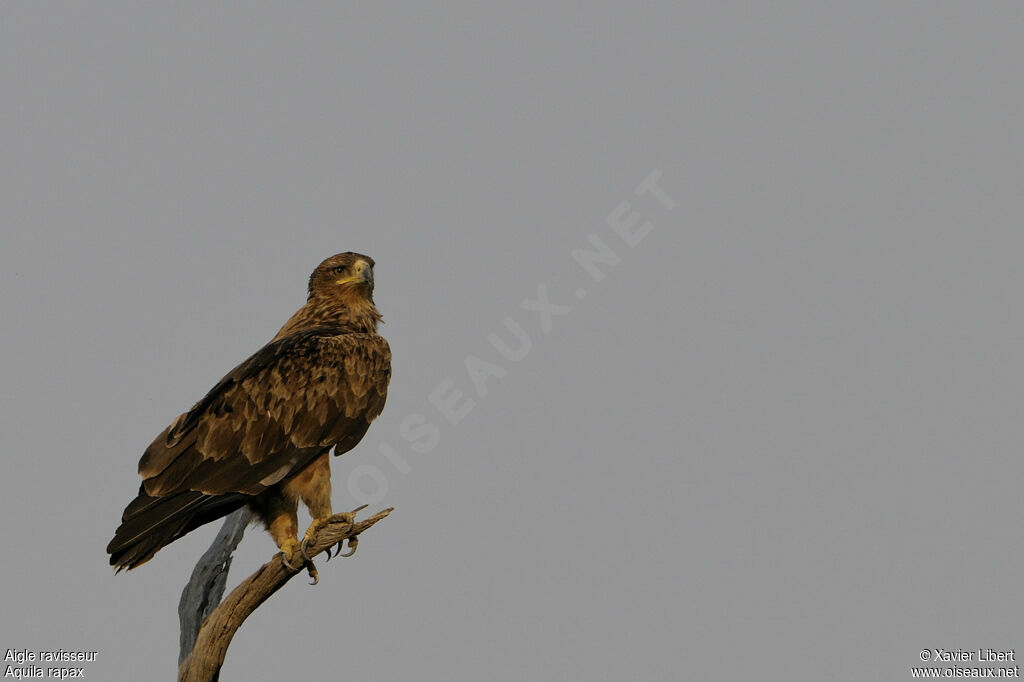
x=209 y=578
x=207 y=657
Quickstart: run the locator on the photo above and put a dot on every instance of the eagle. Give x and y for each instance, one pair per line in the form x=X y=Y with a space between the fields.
x=262 y=436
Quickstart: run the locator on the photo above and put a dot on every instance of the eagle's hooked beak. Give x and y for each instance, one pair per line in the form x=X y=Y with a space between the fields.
x=363 y=274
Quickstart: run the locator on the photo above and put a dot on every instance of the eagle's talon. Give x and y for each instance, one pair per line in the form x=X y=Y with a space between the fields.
x=302 y=550
x=311 y=533
x=284 y=560
x=313 y=573
x=353 y=543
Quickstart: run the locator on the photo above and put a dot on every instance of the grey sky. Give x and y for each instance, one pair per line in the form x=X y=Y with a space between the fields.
x=780 y=439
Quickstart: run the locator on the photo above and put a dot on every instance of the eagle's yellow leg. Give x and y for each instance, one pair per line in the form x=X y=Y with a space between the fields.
x=283 y=526
x=314 y=487
x=278 y=510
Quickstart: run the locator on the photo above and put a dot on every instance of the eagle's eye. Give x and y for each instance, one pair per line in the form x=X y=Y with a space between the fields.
x=339 y=269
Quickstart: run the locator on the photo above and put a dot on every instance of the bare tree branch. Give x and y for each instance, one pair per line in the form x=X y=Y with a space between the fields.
x=206 y=659
x=209 y=578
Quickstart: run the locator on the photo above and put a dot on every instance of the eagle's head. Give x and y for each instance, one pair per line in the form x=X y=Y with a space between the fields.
x=340 y=293
x=347 y=276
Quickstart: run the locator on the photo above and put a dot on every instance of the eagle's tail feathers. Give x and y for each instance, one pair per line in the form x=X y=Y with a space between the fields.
x=150 y=523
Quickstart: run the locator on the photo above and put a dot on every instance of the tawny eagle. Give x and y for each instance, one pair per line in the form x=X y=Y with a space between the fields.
x=262 y=436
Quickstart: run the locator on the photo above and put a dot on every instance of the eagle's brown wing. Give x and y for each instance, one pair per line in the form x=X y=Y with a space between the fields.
x=264 y=421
